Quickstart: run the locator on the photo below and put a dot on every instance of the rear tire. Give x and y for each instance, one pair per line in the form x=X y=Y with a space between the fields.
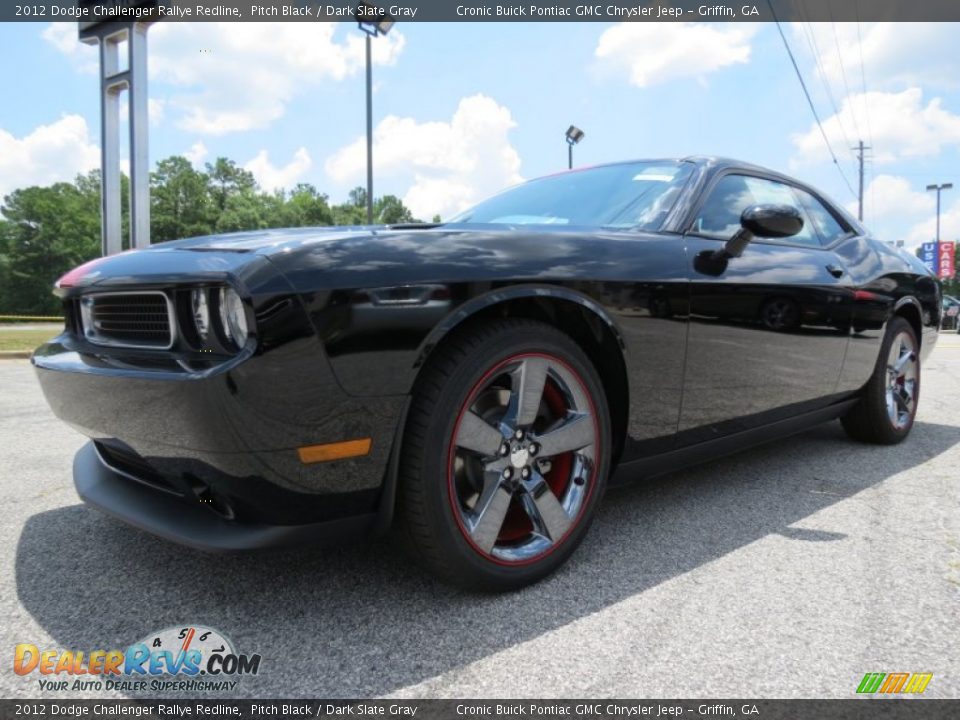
x=888 y=405
x=505 y=455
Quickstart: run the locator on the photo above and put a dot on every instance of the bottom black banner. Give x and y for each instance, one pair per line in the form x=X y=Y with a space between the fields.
x=853 y=709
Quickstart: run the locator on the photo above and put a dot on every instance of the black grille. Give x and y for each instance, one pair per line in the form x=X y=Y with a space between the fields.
x=130 y=319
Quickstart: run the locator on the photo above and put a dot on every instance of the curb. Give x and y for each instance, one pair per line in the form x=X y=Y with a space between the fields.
x=15 y=354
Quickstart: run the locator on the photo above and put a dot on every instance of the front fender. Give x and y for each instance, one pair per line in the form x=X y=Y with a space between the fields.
x=481 y=303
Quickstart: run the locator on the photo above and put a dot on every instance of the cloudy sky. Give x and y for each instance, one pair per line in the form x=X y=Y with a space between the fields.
x=461 y=111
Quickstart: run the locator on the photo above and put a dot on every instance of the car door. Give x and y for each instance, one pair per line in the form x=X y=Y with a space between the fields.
x=769 y=329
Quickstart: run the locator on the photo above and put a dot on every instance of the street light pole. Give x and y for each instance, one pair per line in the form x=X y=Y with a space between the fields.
x=939 y=189
x=369 y=135
x=574 y=135
x=373 y=21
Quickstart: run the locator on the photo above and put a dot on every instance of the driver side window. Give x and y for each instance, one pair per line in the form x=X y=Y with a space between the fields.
x=719 y=216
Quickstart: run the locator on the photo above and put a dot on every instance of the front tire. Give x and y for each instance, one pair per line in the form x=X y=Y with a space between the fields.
x=505 y=455
x=888 y=406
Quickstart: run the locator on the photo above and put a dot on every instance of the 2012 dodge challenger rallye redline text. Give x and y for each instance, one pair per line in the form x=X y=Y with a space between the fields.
x=477 y=383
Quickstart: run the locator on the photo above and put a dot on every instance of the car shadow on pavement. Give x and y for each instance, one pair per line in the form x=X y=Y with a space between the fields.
x=362 y=621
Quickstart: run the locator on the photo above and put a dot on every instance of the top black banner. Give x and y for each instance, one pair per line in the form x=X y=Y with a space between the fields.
x=91 y=13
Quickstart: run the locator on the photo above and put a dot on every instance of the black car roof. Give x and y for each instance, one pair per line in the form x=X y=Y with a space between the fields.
x=716 y=163
x=708 y=161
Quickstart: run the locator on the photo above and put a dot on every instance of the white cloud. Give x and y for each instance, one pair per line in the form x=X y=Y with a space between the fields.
x=450 y=165
x=895 y=55
x=233 y=77
x=155 y=110
x=902 y=127
x=891 y=196
x=196 y=154
x=51 y=153
x=63 y=36
x=660 y=52
x=926 y=230
x=272 y=177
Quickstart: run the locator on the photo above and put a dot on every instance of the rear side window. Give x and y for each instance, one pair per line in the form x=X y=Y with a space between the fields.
x=720 y=215
x=824 y=221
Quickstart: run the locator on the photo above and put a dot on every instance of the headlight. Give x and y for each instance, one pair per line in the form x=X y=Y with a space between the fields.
x=233 y=317
x=201 y=312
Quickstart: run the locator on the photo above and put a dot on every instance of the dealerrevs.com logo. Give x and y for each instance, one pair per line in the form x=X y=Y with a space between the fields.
x=191 y=658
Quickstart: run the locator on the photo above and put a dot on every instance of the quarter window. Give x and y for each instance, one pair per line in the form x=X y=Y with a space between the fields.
x=824 y=221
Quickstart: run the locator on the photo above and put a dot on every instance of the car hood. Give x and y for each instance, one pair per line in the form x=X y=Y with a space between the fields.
x=380 y=256
x=267 y=242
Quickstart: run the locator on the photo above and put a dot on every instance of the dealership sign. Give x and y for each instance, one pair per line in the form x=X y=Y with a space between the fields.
x=928 y=254
x=945 y=254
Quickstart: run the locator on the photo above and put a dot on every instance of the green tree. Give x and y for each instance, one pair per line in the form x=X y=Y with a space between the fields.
x=390 y=210
x=306 y=207
x=358 y=197
x=226 y=180
x=243 y=211
x=47 y=231
x=180 y=201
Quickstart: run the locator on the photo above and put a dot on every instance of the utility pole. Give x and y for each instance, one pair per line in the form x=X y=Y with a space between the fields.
x=860 y=148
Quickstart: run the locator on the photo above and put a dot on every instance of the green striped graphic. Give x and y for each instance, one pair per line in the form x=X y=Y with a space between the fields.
x=871 y=682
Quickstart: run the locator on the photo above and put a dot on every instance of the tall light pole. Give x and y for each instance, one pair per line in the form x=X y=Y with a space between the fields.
x=574 y=135
x=373 y=21
x=939 y=188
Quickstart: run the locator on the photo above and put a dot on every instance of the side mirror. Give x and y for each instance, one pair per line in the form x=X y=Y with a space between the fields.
x=772 y=221
x=766 y=221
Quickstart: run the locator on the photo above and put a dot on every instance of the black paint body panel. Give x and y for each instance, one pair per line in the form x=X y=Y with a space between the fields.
x=344 y=318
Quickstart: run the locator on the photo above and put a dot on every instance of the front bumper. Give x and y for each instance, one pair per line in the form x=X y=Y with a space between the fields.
x=192 y=523
x=229 y=434
x=200 y=444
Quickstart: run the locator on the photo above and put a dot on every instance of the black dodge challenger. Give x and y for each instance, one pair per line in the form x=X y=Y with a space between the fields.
x=477 y=383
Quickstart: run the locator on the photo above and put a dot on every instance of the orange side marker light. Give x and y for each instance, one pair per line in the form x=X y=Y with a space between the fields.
x=334 y=451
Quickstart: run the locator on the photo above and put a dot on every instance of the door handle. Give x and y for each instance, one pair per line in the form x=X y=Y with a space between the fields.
x=835 y=270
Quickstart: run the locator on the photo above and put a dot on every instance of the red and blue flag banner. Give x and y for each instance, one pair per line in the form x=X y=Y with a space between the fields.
x=946 y=255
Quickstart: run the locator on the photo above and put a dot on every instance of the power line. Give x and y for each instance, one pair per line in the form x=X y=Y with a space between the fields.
x=866 y=106
x=863 y=72
x=815 y=52
x=806 y=93
x=843 y=71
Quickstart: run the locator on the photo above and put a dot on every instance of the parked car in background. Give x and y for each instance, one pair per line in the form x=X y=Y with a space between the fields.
x=951 y=313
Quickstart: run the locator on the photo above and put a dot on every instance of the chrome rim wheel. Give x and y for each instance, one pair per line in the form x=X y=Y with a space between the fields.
x=902 y=374
x=522 y=460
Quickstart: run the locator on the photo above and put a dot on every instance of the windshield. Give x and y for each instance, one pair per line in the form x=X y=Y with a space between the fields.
x=629 y=195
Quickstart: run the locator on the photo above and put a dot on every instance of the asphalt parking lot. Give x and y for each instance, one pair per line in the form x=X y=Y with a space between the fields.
x=786 y=571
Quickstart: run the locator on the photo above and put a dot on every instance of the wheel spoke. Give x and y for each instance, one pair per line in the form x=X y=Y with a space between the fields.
x=529 y=380
x=491 y=510
x=892 y=412
x=544 y=509
x=902 y=399
x=477 y=435
x=906 y=357
x=575 y=433
x=498 y=465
